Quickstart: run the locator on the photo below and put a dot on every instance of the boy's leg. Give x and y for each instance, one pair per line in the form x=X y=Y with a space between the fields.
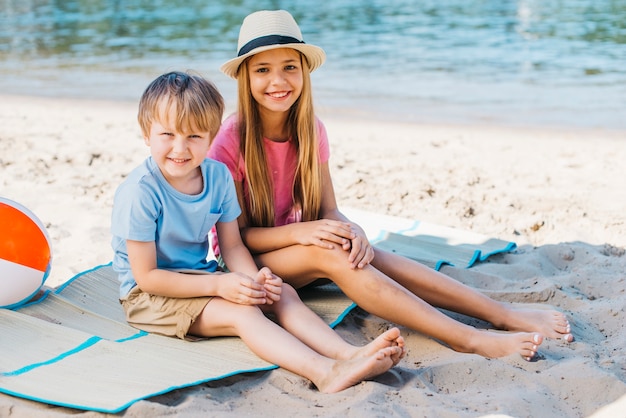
x=293 y=315
x=275 y=345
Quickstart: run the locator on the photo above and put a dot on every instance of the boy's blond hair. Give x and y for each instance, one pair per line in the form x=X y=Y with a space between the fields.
x=195 y=101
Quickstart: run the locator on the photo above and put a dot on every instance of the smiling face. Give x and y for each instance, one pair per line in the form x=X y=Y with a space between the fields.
x=178 y=154
x=276 y=79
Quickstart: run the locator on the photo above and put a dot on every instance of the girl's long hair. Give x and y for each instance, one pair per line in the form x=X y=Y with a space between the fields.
x=307 y=187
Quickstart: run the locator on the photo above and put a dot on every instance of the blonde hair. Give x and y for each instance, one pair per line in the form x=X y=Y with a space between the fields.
x=195 y=101
x=307 y=187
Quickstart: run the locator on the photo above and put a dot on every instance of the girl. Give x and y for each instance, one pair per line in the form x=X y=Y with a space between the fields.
x=166 y=284
x=277 y=152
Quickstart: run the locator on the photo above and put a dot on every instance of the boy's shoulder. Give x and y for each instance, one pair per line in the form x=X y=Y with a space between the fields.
x=140 y=173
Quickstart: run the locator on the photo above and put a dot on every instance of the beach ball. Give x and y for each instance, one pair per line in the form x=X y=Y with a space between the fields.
x=25 y=255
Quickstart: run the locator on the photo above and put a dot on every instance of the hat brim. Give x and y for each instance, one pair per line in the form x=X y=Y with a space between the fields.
x=314 y=55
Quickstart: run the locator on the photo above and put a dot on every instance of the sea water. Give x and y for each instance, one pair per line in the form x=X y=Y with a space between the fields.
x=525 y=62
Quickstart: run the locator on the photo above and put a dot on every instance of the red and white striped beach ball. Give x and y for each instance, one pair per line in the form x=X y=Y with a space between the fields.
x=25 y=255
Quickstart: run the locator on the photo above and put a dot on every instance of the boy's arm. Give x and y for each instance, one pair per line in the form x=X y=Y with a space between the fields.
x=234 y=287
x=142 y=259
x=238 y=259
x=235 y=254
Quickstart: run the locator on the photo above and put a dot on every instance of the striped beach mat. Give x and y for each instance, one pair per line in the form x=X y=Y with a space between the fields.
x=73 y=348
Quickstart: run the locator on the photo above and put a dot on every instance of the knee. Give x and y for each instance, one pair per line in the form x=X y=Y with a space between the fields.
x=332 y=261
x=288 y=297
x=288 y=292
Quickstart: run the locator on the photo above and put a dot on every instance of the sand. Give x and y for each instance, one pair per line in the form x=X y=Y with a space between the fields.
x=559 y=193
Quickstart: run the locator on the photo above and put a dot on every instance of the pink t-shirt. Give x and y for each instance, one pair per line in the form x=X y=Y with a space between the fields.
x=281 y=158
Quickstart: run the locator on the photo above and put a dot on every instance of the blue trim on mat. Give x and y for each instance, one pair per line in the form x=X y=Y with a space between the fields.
x=88 y=343
x=67 y=283
x=474 y=259
x=510 y=247
x=128 y=404
x=343 y=315
x=442 y=263
x=40 y=299
x=139 y=334
x=478 y=256
x=186 y=385
x=22 y=302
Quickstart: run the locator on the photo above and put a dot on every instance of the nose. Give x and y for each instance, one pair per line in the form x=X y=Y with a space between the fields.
x=180 y=144
x=278 y=77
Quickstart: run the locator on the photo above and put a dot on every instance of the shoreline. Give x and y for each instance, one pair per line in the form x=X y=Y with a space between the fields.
x=558 y=193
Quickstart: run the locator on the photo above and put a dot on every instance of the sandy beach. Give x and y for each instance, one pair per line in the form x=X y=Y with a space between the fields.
x=559 y=193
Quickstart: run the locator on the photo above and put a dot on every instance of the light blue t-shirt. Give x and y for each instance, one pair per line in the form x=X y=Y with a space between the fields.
x=147 y=208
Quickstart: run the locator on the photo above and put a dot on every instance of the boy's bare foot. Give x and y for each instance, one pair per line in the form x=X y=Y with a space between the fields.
x=347 y=373
x=549 y=323
x=494 y=344
x=389 y=338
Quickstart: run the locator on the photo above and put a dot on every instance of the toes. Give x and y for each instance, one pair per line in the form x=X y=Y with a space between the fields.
x=528 y=355
x=388 y=352
x=563 y=328
x=530 y=347
x=392 y=334
x=565 y=332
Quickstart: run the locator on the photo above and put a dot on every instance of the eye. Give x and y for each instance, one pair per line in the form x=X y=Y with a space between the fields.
x=261 y=70
x=290 y=67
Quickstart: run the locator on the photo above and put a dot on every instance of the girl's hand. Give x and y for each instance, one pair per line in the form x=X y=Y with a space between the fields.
x=240 y=288
x=325 y=233
x=272 y=284
x=361 y=251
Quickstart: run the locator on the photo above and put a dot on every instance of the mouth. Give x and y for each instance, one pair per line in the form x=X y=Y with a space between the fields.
x=279 y=94
x=178 y=160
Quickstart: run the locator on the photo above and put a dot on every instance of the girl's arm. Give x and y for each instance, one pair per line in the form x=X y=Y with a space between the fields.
x=329 y=208
x=325 y=233
x=361 y=251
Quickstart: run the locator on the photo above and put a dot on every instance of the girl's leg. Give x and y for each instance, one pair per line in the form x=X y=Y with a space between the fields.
x=378 y=294
x=443 y=291
x=275 y=345
x=300 y=321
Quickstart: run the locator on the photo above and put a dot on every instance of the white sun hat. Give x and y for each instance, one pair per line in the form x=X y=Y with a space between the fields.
x=271 y=29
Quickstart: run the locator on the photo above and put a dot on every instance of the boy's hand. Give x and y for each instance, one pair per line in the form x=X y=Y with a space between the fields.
x=272 y=284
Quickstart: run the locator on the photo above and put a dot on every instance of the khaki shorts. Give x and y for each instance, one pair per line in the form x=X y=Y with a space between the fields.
x=162 y=315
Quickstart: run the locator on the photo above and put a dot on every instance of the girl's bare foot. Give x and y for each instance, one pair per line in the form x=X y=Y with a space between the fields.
x=549 y=323
x=389 y=338
x=494 y=344
x=347 y=373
